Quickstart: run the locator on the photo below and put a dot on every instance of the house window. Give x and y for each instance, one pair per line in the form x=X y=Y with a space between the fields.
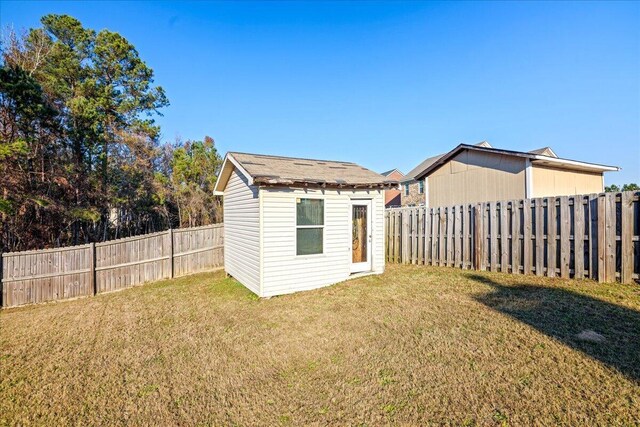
x=406 y=189
x=421 y=186
x=309 y=226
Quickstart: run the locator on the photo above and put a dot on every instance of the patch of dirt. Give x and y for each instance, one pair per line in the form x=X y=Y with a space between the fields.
x=591 y=336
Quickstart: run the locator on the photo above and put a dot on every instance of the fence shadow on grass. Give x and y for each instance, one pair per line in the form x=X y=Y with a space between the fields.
x=563 y=315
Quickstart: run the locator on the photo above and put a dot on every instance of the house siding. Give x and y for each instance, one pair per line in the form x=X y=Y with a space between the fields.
x=285 y=272
x=393 y=198
x=242 y=231
x=415 y=197
x=474 y=176
x=560 y=182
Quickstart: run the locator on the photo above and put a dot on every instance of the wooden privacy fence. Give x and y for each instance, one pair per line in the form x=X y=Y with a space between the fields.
x=54 y=274
x=586 y=236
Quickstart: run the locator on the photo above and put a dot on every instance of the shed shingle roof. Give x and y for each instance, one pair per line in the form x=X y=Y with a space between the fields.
x=278 y=170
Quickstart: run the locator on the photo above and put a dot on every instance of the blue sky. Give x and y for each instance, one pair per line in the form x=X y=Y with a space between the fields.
x=387 y=84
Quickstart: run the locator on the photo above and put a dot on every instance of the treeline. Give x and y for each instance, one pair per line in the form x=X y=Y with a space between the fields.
x=80 y=158
x=613 y=188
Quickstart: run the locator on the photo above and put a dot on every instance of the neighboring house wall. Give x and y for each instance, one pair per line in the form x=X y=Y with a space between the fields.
x=474 y=176
x=393 y=197
x=242 y=231
x=414 y=198
x=559 y=182
x=283 y=270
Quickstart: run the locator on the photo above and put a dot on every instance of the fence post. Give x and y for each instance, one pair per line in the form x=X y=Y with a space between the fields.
x=171 y=253
x=92 y=268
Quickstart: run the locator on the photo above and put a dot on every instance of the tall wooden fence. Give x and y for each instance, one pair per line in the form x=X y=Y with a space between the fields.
x=593 y=236
x=54 y=274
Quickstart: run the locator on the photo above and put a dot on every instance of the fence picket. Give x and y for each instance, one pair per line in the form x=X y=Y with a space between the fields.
x=539 y=220
x=610 y=236
x=493 y=235
x=504 y=238
x=466 y=238
x=484 y=236
x=602 y=227
x=515 y=237
x=578 y=237
x=413 y=216
x=424 y=232
x=457 y=236
x=442 y=237
x=626 y=216
x=593 y=236
x=552 y=225
x=565 y=242
x=527 y=261
x=449 y=241
x=395 y=237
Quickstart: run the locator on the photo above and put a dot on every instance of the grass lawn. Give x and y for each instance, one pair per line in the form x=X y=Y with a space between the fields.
x=417 y=345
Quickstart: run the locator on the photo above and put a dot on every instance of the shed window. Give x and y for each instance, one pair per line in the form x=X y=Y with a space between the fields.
x=309 y=226
x=421 y=186
x=406 y=189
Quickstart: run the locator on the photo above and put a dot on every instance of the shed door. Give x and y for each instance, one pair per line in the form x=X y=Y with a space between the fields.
x=360 y=235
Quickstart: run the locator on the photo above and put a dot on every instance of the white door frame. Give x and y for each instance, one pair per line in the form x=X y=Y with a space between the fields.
x=357 y=267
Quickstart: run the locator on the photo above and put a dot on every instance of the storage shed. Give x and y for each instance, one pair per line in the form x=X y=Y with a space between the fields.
x=294 y=224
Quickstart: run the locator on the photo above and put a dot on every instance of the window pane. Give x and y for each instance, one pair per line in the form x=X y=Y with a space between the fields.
x=310 y=212
x=308 y=241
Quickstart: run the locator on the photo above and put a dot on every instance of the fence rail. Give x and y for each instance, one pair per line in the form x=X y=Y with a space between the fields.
x=54 y=274
x=593 y=236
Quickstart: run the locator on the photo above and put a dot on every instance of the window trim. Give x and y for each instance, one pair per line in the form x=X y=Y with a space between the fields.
x=324 y=222
x=421 y=187
x=406 y=189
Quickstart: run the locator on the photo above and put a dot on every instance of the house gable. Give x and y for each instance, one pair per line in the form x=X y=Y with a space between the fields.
x=474 y=176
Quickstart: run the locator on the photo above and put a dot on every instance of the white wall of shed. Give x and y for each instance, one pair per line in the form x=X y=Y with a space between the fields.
x=242 y=231
x=285 y=272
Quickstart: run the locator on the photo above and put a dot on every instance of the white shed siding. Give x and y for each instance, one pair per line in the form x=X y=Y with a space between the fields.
x=377 y=223
x=284 y=271
x=242 y=231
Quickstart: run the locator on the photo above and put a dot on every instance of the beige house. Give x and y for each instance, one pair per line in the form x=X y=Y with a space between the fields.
x=478 y=173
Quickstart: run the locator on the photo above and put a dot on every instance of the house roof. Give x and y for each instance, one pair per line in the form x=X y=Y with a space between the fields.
x=267 y=170
x=389 y=172
x=545 y=151
x=426 y=163
x=539 y=159
x=411 y=175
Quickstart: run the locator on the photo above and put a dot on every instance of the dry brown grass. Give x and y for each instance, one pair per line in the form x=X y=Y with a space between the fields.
x=416 y=345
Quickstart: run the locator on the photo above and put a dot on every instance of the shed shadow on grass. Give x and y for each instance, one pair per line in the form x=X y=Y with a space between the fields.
x=563 y=315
